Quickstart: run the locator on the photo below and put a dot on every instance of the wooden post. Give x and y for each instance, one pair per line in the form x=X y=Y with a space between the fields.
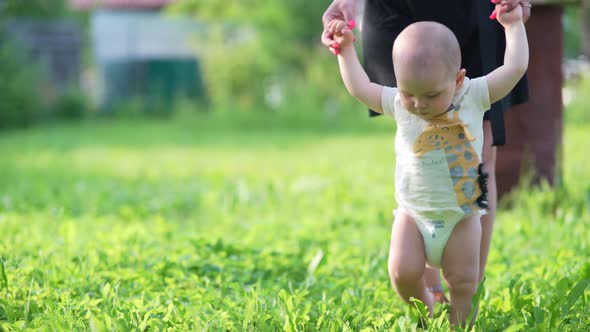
x=534 y=129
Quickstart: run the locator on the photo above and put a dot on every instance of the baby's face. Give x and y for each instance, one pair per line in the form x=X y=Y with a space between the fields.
x=427 y=94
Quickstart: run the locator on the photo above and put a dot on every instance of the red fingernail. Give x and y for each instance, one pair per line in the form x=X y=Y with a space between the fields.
x=336 y=46
x=351 y=24
x=493 y=16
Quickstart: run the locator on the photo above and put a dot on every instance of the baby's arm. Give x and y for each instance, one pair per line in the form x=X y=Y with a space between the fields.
x=354 y=76
x=516 y=56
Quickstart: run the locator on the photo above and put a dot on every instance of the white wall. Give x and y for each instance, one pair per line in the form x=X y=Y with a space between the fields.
x=123 y=35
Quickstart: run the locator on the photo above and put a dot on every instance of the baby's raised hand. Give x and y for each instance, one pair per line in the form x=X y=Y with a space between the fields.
x=507 y=17
x=336 y=26
x=342 y=34
x=511 y=4
x=345 y=38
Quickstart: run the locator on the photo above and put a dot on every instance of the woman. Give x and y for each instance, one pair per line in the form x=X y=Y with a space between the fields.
x=482 y=48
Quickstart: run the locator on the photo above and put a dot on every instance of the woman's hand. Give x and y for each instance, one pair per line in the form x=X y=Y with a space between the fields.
x=339 y=9
x=341 y=33
x=508 y=5
x=507 y=17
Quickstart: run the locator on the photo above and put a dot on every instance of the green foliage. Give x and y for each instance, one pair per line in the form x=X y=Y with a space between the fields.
x=20 y=89
x=32 y=8
x=256 y=223
x=577 y=111
x=72 y=104
x=26 y=94
x=26 y=97
x=255 y=44
x=572 y=27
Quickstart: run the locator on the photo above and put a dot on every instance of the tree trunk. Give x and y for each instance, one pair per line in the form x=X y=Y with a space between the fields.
x=534 y=129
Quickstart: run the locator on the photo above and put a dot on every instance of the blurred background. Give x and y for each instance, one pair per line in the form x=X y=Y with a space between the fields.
x=79 y=59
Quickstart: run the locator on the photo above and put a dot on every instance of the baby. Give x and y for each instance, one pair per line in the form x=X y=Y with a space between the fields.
x=440 y=188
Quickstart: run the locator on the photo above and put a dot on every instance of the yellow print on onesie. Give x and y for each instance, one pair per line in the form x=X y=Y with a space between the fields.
x=450 y=135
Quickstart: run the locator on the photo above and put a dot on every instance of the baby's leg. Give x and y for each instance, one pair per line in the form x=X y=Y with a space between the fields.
x=460 y=264
x=407 y=260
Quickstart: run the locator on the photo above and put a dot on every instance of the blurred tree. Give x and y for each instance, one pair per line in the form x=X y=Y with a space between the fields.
x=585 y=17
x=32 y=8
x=19 y=90
x=25 y=84
x=255 y=44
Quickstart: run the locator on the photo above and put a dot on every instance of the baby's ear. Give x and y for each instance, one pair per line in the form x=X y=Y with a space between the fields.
x=460 y=77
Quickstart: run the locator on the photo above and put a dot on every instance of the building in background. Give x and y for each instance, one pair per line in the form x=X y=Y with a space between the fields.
x=141 y=53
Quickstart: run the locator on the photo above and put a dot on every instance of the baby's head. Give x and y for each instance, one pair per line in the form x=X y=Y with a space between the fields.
x=427 y=64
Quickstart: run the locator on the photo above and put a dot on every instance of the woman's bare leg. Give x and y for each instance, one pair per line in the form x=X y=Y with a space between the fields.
x=487 y=221
x=433 y=284
x=432 y=276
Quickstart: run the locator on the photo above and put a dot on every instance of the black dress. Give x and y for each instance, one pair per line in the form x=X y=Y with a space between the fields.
x=481 y=40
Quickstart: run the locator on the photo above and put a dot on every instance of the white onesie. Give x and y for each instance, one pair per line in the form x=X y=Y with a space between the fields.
x=438 y=163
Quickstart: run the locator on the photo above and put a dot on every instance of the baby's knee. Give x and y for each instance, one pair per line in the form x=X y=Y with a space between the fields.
x=464 y=282
x=405 y=274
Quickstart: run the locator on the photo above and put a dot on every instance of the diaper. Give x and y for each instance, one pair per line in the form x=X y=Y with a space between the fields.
x=436 y=230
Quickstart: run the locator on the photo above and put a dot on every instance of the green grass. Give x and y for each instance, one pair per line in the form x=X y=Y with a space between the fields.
x=255 y=224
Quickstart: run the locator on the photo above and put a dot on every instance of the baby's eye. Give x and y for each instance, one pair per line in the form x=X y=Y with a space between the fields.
x=433 y=95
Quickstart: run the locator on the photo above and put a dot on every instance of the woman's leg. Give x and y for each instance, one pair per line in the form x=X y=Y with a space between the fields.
x=432 y=276
x=433 y=284
x=487 y=221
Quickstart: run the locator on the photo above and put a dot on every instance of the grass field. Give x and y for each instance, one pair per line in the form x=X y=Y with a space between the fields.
x=200 y=224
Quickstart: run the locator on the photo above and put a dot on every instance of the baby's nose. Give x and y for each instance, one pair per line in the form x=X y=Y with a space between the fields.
x=419 y=104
